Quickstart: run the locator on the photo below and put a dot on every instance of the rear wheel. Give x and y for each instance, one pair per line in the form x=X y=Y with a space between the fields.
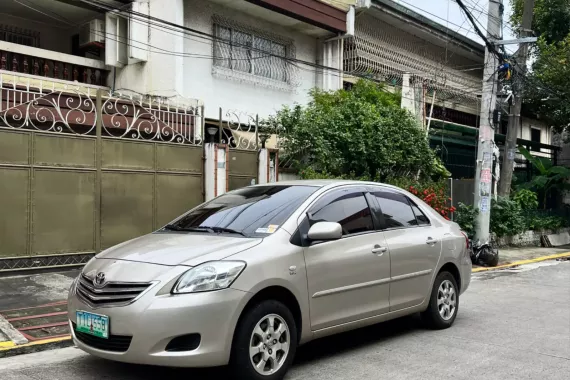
x=443 y=304
x=265 y=342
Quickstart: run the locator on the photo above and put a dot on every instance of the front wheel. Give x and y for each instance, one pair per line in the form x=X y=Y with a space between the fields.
x=265 y=342
x=443 y=304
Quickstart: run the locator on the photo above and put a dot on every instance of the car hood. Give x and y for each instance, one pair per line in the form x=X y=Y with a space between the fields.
x=173 y=248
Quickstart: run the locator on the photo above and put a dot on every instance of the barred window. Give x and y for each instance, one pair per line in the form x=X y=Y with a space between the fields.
x=250 y=53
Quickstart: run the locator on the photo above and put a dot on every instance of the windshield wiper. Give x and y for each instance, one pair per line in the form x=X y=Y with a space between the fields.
x=224 y=229
x=173 y=227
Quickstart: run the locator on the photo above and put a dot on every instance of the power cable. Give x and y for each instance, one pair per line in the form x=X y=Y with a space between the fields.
x=434 y=15
x=488 y=44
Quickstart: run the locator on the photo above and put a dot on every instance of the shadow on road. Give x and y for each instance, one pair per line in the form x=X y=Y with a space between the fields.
x=311 y=352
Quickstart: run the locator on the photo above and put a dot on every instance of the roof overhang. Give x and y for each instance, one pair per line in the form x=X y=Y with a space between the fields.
x=312 y=12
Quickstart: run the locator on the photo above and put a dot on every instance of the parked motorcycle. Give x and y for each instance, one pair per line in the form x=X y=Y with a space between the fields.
x=485 y=254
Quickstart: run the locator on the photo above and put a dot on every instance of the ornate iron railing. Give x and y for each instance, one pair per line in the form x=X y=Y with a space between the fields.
x=72 y=109
x=240 y=130
x=138 y=117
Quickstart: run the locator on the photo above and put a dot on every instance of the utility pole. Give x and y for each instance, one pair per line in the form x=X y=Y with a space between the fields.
x=484 y=164
x=515 y=110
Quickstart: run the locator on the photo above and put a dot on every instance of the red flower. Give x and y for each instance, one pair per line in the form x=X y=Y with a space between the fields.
x=425 y=192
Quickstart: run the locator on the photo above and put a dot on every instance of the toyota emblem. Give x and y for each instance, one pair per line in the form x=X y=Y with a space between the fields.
x=99 y=280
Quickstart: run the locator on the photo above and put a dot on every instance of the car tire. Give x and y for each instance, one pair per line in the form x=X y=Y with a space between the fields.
x=443 y=304
x=254 y=334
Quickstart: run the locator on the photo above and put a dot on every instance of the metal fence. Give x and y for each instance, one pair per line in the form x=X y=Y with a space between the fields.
x=80 y=173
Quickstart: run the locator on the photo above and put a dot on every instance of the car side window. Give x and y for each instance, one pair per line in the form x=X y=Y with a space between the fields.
x=396 y=209
x=349 y=209
x=421 y=218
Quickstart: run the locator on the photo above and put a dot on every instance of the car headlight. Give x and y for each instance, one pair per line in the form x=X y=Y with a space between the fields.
x=209 y=276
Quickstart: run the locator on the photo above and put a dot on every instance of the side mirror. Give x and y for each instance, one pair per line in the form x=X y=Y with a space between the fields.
x=325 y=231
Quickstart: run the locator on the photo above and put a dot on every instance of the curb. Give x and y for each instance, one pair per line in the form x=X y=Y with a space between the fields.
x=522 y=262
x=10 y=349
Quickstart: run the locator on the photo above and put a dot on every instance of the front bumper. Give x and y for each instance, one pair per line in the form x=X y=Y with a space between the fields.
x=153 y=321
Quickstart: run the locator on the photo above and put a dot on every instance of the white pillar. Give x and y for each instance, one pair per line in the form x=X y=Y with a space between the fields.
x=210 y=171
x=263 y=166
x=408 y=94
x=215 y=170
x=273 y=167
x=221 y=170
x=330 y=55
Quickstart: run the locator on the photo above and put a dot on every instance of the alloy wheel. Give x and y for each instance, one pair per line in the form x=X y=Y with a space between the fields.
x=446 y=300
x=269 y=344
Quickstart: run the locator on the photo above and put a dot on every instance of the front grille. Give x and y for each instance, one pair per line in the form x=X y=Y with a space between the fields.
x=115 y=343
x=111 y=294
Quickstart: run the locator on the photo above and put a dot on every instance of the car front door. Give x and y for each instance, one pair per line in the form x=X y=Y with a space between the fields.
x=415 y=248
x=348 y=279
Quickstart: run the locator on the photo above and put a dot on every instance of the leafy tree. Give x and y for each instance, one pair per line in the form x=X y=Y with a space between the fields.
x=551 y=19
x=547 y=85
x=359 y=133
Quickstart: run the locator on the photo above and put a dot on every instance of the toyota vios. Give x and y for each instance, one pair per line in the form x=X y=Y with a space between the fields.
x=247 y=277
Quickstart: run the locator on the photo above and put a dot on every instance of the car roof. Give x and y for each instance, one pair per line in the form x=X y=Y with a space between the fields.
x=325 y=183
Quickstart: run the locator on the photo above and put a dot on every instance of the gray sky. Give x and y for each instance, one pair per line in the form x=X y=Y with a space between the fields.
x=438 y=11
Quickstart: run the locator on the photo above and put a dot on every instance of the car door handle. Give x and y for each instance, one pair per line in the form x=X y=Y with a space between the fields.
x=431 y=241
x=378 y=250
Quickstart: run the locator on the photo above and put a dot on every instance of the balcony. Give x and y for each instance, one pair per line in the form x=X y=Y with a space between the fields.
x=51 y=43
x=39 y=66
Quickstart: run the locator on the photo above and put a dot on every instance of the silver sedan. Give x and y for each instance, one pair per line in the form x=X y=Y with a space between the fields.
x=247 y=277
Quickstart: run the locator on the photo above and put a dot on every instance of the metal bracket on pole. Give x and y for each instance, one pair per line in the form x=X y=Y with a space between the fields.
x=525 y=40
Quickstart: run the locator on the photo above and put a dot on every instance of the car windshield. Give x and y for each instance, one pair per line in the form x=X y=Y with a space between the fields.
x=256 y=210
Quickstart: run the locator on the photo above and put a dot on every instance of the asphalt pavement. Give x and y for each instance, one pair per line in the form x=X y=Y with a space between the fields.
x=512 y=324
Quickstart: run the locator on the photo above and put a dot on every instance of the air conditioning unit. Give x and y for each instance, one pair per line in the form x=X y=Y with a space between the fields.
x=92 y=33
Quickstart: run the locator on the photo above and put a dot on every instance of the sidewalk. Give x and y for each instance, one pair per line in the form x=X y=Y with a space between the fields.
x=519 y=256
x=33 y=311
x=33 y=306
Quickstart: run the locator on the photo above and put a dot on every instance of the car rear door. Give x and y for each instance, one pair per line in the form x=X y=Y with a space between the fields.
x=414 y=244
x=348 y=279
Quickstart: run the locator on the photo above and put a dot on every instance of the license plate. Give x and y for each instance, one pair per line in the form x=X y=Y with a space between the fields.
x=93 y=324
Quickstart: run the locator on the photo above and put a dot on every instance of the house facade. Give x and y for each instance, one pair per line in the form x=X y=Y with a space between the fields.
x=440 y=74
x=107 y=108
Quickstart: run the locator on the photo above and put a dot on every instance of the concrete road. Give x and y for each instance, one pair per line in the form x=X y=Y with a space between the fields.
x=512 y=325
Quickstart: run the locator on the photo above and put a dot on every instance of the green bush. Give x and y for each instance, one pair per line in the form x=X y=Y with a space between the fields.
x=466 y=217
x=506 y=217
x=537 y=221
x=358 y=133
x=528 y=200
